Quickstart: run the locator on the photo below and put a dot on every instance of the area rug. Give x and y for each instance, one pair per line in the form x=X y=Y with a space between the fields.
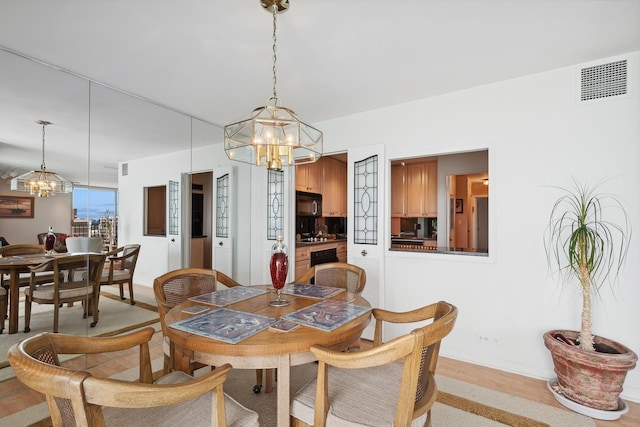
x=459 y=404
x=116 y=316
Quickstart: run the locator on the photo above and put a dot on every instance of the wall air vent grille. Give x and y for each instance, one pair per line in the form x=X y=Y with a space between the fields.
x=125 y=169
x=603 y=81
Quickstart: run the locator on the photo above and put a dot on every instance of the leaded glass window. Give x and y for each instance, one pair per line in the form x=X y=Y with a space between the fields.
x=365 y=201
x=275 y=204
x=173 y=208
x=222 y=206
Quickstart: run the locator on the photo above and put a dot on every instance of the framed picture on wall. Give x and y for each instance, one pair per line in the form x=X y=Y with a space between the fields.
x=459 y=206
x=16 y=207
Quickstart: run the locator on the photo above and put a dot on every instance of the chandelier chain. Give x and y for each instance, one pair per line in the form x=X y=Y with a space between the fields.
x=43 y=167
x=275 y=56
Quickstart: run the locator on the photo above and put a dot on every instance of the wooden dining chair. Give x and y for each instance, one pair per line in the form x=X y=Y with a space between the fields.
x=121 y=263
x=66 y=287
x=24 y=249
x=83 y=245
x=339 y=275
x=390 y=384
x=78 y=398
x=3 y=307
x=336 y=274
x=179 y=285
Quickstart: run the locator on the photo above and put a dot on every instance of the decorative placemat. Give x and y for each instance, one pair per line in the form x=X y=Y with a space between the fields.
x=228 y=296
x=327 y=315
x=311 y=291
x=223 y=324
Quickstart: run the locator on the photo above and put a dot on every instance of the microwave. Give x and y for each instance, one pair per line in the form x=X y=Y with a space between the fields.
x=308 y=204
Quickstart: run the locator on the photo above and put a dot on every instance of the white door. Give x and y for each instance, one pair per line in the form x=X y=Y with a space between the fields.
x=223 y=220
x=365 y=220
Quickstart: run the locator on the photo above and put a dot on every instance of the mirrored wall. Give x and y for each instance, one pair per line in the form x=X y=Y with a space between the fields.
x=95 y=130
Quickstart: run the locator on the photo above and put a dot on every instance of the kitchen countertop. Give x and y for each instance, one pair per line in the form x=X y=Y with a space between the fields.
x=328 y=241
x=438 y=250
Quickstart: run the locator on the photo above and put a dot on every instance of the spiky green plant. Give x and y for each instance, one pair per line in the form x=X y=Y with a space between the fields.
x=583 y=244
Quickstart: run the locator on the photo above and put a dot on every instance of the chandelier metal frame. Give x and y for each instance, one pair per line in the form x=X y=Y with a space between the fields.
x=273 y=135
x=41 y=183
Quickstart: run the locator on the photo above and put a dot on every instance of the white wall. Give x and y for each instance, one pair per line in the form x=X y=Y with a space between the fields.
x=538 y=135
x=50 y=211
x=159 y=170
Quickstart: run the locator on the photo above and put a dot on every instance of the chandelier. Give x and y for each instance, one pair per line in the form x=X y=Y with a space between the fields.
x=273 y=135
x=41 y=183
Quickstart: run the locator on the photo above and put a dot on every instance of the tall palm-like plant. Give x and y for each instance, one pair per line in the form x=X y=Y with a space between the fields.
x=583 y=244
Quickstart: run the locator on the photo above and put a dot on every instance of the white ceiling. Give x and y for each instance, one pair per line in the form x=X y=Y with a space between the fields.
x=212 y=59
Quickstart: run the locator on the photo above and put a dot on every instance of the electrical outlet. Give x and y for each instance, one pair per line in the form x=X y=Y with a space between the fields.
x=488 y=339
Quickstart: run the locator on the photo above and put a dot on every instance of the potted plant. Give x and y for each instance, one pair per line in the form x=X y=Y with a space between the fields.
x=586 y=246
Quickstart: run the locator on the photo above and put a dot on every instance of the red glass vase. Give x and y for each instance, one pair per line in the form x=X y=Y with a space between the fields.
x=279 y=267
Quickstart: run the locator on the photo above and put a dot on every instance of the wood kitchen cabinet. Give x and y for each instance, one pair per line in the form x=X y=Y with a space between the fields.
x=414 y=190
x=398 y=191
x=303 y=262
x=303 y=255
x=334 y=188
x=431 y=204
x=309 y=177
x=341 y=251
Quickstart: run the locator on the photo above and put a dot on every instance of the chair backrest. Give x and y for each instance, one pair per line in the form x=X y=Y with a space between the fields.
x=21 y=249
x=76 y=398
x=419 y=387
x=91 y=264
x=337 y=274
x=130 y=257
x=82 y=245
x=176 y=286
x=417 y=352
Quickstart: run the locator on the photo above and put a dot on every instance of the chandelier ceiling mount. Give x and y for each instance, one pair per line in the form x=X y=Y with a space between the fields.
x=272 y=135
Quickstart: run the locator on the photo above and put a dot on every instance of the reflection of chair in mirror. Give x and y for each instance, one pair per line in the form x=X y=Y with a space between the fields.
x=76 y=397
x=3 y=307
x=83 y=245
x=369 y=387
x=24 y=278
x=122 y=264
x=64 y=288
x=60 y=244
x=337 y=274
x=177 y=286
x=22 y=249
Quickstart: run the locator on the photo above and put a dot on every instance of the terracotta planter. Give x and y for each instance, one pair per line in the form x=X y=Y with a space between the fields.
x=590 y=378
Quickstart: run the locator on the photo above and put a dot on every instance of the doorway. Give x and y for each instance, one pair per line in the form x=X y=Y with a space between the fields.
x=480 y=229
x=201 y=207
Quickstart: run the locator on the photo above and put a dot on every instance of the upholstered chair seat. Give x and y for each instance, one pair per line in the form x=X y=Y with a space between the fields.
x=188 y=413
x=78 y=398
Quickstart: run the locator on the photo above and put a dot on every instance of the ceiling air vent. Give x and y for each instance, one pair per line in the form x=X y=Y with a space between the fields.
x=125 y=169
x=603 y=81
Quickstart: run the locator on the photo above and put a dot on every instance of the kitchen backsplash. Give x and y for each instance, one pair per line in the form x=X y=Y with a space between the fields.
x=419 y=227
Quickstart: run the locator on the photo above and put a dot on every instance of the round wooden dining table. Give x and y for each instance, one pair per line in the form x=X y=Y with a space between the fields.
x=13 y=266
x=267 y=348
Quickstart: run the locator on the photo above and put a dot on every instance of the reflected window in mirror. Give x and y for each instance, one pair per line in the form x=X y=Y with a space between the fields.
x=95 y=213
x=155 y=214
x=440 y=204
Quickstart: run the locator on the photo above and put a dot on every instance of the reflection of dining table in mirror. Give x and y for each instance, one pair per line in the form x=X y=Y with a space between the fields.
x=13 y=266
x=268 y=348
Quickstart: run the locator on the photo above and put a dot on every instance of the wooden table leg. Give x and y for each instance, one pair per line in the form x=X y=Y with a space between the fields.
x=14 y=299
x=284 y=373
x=182 y=359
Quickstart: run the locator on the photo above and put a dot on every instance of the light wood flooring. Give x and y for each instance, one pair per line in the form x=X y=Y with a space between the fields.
x=15 y=397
